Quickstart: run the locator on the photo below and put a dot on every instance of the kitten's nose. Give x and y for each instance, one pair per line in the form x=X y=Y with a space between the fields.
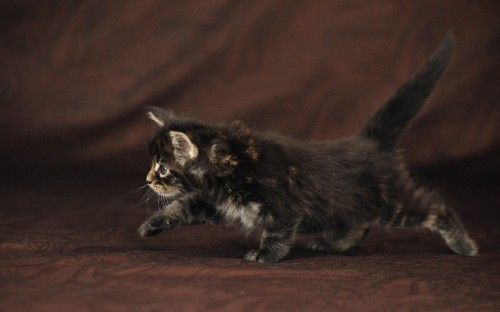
x=149 y=182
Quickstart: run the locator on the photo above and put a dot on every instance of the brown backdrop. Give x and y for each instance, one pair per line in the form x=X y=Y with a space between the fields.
x=76 y=75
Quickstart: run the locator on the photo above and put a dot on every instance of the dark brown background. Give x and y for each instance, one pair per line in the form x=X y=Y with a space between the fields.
x=76 y=75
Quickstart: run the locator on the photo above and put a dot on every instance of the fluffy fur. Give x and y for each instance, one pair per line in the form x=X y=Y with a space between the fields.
x=280 y=186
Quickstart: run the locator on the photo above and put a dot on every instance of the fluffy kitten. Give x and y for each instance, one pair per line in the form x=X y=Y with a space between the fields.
x=281 y=187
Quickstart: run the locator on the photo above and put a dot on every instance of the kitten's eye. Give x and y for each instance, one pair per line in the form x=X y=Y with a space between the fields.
x=163 y=170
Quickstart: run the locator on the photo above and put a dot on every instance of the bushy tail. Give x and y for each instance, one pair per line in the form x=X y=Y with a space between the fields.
x=390 y=121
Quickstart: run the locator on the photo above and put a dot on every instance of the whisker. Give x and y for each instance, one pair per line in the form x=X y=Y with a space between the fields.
x=146 y=197
x=135 y=190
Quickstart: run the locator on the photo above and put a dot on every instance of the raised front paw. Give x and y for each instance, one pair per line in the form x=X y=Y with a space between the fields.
x=260 y=257
x=153 y=226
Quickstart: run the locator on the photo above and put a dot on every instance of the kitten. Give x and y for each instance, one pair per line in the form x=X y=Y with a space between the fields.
x=280 y=187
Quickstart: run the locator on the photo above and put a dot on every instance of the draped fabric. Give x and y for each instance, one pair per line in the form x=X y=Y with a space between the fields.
x=76 y=75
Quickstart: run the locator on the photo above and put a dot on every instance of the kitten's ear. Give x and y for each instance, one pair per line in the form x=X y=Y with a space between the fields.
x=159 y=115
x=218 y=150
x=222 y=161
x=184 y=149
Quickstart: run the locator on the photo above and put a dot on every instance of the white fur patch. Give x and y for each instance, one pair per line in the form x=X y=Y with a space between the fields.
x=247 y=215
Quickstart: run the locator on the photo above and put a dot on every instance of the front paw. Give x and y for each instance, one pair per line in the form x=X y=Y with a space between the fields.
x=153 y=226
x=260 y=257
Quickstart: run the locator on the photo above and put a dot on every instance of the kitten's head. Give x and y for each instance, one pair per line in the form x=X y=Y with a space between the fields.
x=186 y=154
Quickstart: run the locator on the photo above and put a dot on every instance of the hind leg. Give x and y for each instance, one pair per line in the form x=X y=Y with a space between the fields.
x=426 y=209
x=447 y=224
x=340 y=243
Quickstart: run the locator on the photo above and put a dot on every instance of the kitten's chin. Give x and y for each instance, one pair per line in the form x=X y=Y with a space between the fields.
x=173 y=193
x=168 y=195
